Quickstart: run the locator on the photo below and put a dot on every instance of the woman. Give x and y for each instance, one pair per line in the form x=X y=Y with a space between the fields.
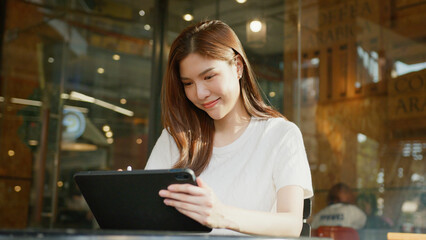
x=250 y=161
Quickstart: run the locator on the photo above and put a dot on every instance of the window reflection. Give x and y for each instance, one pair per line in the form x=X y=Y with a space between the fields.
x=69 y=69
x=370 y=64
x=403 y=68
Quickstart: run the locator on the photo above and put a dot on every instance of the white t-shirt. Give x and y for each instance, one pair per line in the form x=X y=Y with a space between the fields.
x=340 y=214
x=247 y=173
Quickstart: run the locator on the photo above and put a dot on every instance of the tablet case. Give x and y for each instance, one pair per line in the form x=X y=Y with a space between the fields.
x=129 y=199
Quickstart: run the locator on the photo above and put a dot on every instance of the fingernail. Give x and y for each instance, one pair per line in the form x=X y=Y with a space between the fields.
x=162 y=192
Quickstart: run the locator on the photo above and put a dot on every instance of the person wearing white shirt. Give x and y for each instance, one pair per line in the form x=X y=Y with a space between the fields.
x=251 y=165
x=341 y=211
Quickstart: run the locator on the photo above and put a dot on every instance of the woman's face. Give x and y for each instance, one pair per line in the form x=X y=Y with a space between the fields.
x=212 y=85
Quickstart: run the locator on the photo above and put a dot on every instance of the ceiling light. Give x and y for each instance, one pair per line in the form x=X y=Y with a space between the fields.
x=123 y=101
x=17 y=188
x=32 y=142
x=241 y=1
x=141 y=13
x=81 y=97
x=188 y=17
x=108 y=134
x=26 y=102
x=101 y=70
x=50 y=60
x=11 y=153
x=65 y=96
x=255 y=26
x=147 y=27
x=116 y=57
x=80 y=109
x=106 y=128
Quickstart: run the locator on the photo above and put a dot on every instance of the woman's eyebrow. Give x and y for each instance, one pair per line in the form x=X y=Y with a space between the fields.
x=205 y=71
x=201 y=74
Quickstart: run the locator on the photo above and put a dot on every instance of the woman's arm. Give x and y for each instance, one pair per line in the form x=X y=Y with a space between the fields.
x=201 y=204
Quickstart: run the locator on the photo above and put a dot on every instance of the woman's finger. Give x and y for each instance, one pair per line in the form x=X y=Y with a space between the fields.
x=181 y=197
x=186 y=188
x=184 y=205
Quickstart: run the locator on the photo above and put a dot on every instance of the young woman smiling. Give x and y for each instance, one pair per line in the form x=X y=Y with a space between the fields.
x=251 y=163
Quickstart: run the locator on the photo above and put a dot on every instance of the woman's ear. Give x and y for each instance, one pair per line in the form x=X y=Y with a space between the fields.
x=240 y=66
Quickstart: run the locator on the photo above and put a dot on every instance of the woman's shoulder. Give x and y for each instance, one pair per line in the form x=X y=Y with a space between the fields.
x=165 y=134
x=276 y=129
x=165 y=138
x=278 y=124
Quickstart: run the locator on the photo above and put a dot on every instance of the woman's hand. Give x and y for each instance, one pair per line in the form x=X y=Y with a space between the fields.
x=197 y=202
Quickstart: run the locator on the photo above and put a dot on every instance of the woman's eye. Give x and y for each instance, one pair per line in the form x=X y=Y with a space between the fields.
x=209 y=77
x=187 y=84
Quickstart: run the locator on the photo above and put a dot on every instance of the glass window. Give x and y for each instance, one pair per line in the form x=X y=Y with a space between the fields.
x=75 y=96
x=361 y=103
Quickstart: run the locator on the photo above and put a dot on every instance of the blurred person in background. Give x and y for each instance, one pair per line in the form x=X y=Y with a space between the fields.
x=420 y=215
x=368 y=203
x=341 y=210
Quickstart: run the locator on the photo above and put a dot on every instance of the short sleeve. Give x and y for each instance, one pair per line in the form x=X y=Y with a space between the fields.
x=358 y=217
x=164 y=154
x=291 y=163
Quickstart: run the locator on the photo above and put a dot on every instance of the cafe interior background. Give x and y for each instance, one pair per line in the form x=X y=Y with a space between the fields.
x=80 y=83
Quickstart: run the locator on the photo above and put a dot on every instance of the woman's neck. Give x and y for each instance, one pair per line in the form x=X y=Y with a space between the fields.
x=232 y=126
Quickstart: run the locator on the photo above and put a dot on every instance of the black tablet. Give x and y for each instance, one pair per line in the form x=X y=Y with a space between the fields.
x=129 y=199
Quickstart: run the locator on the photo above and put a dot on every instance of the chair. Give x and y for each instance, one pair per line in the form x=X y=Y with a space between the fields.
x=307 y=209
x=337 y=232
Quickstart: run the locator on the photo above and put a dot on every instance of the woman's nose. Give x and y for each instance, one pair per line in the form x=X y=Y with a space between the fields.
x=202 y=91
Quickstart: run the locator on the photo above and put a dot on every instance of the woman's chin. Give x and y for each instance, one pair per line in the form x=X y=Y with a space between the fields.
x=215 y=116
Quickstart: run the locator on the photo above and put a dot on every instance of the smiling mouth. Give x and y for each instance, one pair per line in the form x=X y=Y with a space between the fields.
x=210 y=104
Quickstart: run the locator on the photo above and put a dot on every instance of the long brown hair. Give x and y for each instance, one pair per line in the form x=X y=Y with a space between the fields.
x=191 y=128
